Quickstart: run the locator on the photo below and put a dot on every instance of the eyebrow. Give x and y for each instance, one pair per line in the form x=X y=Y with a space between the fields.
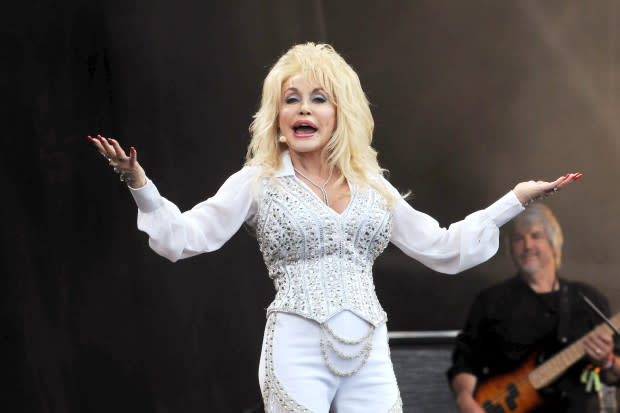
x=294 y=89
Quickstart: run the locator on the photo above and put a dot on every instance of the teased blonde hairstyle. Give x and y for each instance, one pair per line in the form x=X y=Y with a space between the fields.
x=349 y=148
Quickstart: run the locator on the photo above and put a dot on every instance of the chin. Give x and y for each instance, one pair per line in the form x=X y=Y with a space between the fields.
x=304 y=147
x=529 y=269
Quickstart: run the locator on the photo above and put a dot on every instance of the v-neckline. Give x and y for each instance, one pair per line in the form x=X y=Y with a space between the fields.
x=316 y=197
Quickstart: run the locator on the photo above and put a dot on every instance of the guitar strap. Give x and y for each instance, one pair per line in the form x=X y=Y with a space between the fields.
x=564 y=312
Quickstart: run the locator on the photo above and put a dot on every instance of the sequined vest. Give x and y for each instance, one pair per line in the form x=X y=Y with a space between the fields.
x=321 y=261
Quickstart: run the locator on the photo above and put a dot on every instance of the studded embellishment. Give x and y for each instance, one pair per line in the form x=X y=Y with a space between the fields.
x=275 y=397
x=321 y=261
x=398 y=406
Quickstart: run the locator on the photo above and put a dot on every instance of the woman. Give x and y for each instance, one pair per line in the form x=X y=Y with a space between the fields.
x=314 y=193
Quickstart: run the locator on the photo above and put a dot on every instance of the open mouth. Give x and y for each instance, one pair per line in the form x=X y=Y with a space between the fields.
x=304 y=128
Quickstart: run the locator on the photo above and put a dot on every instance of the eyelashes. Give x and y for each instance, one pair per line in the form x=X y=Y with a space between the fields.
x=316 y=99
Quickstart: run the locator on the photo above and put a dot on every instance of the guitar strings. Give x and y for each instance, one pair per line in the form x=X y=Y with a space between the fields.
x=500 y=395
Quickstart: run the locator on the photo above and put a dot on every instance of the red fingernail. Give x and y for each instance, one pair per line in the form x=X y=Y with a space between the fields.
x=132 y=149
x=578 y=177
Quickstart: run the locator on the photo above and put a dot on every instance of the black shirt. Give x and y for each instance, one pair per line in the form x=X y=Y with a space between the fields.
x=509 y=321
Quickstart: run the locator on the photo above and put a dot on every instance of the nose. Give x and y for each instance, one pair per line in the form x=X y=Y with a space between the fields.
x=304 y=109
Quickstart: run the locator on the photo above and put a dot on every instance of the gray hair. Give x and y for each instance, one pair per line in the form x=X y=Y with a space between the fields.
x=534 y=214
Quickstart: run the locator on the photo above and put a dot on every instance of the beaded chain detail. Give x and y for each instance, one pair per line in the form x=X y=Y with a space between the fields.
x=364 y=352
x=275 y=397
x=330 y=366
x=371 y=331
x=365 y=349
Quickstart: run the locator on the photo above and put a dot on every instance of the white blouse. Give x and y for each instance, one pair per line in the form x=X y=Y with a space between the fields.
x=320 y=261
x=208 y=225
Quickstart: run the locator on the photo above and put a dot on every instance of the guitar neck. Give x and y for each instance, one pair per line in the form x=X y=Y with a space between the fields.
x=551 y=369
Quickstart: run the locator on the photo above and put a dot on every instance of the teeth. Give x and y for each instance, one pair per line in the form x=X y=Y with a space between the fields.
x=303 y=125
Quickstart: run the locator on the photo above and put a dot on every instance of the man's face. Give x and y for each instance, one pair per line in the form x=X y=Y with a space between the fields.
x=531 y=249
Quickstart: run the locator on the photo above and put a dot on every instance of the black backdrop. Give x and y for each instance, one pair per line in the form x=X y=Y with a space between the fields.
x=468 y=97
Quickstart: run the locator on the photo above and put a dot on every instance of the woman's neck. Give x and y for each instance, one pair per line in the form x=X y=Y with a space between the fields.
x=312 y=164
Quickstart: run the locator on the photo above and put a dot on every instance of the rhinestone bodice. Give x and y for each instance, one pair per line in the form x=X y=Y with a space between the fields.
x=321 y=261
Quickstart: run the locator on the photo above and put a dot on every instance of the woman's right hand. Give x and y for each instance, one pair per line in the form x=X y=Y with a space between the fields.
x=127 y=166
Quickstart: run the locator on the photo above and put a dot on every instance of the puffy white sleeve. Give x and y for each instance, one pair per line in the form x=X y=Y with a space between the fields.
x=462 y=245
x=206 y=227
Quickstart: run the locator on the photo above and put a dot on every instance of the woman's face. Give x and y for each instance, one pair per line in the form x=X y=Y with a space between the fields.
x=307 y=118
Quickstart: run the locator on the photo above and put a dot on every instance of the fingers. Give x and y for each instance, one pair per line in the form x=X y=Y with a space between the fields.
x=598 y=347
x=559 y=181
x=603 y=341
x=591 y=349
x=97 y=145
x=528 y=192
x=572 y=177
x=109 y=150
x=120 y=153
x=127 y=167
x=133 y=157
x=562 y=181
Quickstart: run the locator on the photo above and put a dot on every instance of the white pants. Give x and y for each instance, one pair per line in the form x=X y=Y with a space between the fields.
x=294 y=377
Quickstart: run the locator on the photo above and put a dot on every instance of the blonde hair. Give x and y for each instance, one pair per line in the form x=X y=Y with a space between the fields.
x=349 y=148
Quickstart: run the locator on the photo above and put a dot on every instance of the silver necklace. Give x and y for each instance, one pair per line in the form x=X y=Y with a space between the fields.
x=321 y=187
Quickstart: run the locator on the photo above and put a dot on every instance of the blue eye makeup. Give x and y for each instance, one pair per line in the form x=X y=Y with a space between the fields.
x=291 y=99
x=314 y=98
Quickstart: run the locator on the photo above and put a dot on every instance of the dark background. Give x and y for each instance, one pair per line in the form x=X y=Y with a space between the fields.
x=469 y=98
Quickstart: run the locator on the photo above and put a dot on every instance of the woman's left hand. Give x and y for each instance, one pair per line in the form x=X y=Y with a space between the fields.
x=534 y=190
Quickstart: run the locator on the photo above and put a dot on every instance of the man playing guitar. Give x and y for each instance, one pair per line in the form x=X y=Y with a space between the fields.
x=516 y=324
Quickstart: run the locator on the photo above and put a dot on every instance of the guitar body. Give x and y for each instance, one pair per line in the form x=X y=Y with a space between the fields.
x=511 y=392
x=515 y=392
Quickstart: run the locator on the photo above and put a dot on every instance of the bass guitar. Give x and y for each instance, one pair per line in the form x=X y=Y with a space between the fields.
x=517 y=391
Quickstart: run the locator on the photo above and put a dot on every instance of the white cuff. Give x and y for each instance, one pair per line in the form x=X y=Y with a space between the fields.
x=505 y=209
x=147 y=197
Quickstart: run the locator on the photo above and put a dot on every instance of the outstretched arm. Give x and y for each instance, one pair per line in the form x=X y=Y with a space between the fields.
x=468 y=242
x=174 y=234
